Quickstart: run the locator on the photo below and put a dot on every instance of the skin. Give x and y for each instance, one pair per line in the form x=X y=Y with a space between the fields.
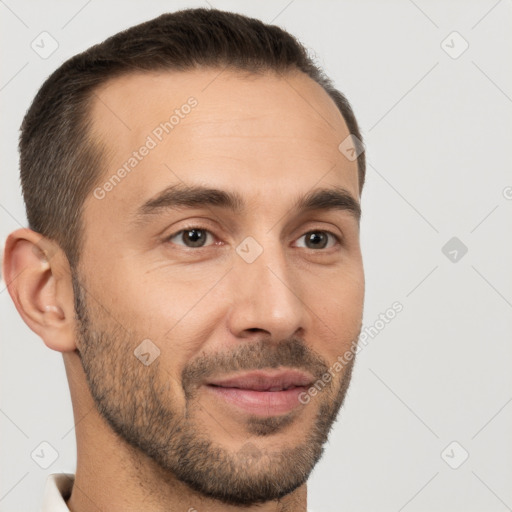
x=152 y=437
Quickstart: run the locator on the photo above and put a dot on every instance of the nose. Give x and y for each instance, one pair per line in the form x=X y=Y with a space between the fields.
x=267 y=297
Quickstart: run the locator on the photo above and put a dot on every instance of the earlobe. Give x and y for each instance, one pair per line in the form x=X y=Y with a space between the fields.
x=38 y=278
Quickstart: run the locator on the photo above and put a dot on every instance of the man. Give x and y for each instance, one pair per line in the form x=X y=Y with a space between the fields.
x=193 y=188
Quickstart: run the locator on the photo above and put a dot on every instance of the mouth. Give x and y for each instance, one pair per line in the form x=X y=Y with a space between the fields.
x=263 y=393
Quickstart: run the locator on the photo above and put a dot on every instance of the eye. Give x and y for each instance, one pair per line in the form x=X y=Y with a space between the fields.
x=319 y=239
x=191 y=237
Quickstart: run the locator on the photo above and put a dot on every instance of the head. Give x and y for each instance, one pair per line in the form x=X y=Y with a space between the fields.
x=193 y=218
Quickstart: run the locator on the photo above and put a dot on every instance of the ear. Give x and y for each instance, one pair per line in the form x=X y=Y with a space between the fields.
x=38 y=278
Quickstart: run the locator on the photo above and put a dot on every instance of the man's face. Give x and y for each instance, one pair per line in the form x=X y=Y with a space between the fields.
x=219 y=292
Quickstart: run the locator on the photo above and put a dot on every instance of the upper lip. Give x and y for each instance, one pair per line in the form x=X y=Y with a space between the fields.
x=265 y=380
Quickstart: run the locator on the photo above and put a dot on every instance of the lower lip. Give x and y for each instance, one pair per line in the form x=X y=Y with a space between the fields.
x=265 y=403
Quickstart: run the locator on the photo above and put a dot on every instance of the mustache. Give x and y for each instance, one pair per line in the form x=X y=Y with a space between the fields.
x=256 y=355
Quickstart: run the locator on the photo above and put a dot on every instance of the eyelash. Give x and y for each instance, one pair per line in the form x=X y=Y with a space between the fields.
x=202 y=228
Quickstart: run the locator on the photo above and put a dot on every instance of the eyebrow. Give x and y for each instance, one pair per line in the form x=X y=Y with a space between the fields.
x=196 y=196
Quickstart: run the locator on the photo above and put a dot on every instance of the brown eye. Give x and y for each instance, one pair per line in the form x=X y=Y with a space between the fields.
x=190 y=237
x=318 y=239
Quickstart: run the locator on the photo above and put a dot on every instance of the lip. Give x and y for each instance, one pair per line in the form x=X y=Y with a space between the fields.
x=262 y=393
x=259 y=380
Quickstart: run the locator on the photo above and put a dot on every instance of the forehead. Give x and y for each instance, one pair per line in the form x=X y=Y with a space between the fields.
x=261 y=134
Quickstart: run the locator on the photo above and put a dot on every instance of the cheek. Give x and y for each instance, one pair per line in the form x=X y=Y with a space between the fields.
x=155 y=303
x=175 y=311
x=339 y=306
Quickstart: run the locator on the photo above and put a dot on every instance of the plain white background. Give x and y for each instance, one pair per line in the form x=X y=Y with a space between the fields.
x=431 y=387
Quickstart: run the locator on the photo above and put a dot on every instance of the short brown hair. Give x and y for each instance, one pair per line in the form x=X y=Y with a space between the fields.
x=60 y=162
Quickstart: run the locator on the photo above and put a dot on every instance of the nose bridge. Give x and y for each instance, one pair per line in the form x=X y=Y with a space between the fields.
x=267 y=297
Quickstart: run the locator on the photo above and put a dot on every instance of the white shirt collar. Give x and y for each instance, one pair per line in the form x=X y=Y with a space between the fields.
x=57 y=489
